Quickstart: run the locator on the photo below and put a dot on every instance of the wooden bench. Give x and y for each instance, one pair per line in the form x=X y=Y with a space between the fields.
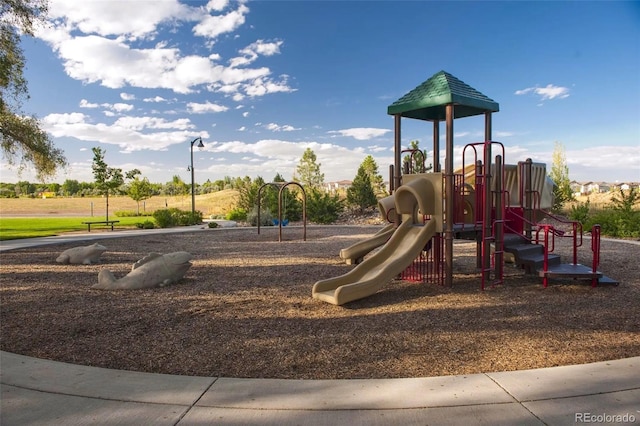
x=101 y=222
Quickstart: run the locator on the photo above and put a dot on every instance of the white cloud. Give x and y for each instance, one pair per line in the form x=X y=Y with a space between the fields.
x=211 y=26
x=86 y=104
x=377 y=148
x=132 y=18
x=155 y=99
x=278 y=128
x=281 y=156
x=361 y=133
x=71 y=118
x=127 y=96
x=206 y=107
x=263 y=86
x=129 y=133
x=117 y=107
x=251 y=52
x=546 y=93
x=217 y=5
x=139 y=123
x=120 y=107
x=99 y=43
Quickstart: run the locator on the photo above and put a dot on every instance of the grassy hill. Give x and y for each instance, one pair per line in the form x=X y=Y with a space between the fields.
x=217 y=203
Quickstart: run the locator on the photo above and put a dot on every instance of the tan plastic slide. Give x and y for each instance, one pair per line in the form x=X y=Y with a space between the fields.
x=403 y=247
x=354 y=254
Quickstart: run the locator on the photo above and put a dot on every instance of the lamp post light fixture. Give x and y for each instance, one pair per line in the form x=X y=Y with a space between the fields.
x=193 y=193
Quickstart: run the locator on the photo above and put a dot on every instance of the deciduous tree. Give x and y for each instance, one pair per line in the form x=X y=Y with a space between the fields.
x=560 y=176
x=22 y=141
x=308 y=170
x=138 y=189
x=107 y=178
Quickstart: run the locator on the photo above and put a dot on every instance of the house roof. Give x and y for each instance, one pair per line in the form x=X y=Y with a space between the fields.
x=428 y=100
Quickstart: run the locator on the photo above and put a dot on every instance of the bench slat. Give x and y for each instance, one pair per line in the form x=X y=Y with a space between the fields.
x=100 y=222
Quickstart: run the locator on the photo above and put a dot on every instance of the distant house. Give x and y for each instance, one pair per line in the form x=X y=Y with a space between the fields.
x=336 y=186
x=576 y=187
x=596 y=187
x=587 y=188
x=591 y=187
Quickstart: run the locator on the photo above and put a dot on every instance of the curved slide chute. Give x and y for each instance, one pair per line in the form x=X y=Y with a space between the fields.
x=403 y=247
x=354 y=254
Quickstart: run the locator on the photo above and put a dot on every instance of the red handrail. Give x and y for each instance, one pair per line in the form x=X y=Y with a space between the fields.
x=545 y=262
x=595 y=249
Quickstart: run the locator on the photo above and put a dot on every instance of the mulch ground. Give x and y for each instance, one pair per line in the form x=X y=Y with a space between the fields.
x=244 y=309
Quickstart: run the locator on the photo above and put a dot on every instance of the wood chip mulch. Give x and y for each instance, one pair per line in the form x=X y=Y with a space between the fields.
x=244 y=309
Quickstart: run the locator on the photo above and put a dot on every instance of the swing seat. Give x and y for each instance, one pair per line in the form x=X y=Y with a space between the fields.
x=285 y=222
x=275 y=222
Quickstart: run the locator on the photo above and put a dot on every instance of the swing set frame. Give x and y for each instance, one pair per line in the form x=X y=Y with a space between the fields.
x=281 y=186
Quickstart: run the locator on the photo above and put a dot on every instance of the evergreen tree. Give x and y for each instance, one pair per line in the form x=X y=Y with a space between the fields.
x=360 y=194
x=377 y=182
x=291 y=204
x=417 y=161
x=248 y=193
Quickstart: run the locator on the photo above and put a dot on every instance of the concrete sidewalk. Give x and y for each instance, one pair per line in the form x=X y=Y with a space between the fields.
x=42 y=392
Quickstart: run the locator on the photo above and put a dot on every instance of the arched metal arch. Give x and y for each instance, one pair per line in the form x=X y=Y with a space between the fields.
x=281 y=186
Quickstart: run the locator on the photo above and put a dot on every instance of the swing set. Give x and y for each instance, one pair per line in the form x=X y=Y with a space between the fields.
x=280 y=222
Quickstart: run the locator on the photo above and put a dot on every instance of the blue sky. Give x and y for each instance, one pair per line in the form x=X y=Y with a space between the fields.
x=261 y=81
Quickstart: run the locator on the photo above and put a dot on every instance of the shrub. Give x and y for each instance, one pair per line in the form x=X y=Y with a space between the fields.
x=164 y=218
x=186 y=218
x=167 y=218
x=322 y=207
x=212 y=225
x=266 y=219
x=237 y=214
x=147 y=224
x=580 y=212
x=129 y=213
x=616 y=223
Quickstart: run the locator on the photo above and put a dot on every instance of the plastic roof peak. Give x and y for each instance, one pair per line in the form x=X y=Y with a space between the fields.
x=428 y=100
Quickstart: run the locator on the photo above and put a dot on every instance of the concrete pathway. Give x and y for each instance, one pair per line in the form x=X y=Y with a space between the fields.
x=42 y=392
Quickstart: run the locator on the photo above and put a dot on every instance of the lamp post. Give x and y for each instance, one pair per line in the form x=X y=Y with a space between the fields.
x=193 y=193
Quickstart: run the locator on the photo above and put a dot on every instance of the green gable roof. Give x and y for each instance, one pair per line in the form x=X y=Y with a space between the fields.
x=428 y=100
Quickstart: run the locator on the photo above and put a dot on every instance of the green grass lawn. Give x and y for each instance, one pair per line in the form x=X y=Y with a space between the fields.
x=30 y=227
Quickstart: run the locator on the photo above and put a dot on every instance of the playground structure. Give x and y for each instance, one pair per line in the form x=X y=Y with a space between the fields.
x=500 y=206
x=281 y=186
